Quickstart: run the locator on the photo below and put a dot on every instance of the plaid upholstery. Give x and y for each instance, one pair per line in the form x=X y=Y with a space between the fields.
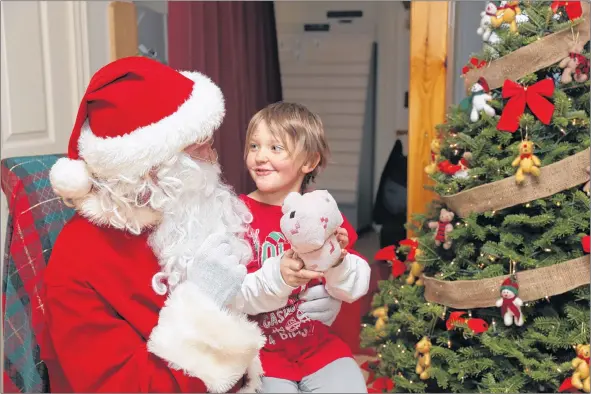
x=36 y=216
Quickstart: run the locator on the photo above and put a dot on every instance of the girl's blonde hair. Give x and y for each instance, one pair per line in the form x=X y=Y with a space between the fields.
x=299 y=130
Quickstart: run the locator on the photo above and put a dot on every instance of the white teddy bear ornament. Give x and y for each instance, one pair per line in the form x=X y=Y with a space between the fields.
x=485 y=30
x=309 y=223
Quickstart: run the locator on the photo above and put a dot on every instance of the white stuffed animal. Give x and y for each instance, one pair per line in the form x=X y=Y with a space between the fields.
x=510 y=303
x=485 y=30
x=309 y=222
x=480 y=98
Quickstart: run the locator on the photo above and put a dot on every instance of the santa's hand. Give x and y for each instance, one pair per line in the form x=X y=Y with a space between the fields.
x=216 y=271
x=319 y=305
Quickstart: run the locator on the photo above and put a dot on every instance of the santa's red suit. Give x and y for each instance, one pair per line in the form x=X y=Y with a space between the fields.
x=106 y=328
x=100 y=312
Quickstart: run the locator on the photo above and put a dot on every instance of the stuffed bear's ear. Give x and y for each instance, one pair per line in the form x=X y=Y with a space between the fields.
x=290 y=202
x=324 y=194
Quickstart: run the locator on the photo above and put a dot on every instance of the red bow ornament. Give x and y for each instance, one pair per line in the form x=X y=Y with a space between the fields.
x=389 y=254
x=369 y=368
x=474 y=63
x=413 y=245
x=586 y=243
x=381 y=385
x=573 y=8
x=519 y=96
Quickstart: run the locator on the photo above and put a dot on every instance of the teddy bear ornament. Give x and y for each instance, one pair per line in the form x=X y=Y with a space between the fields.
x=423 y=356
x=527 y=162
x=580 y=364
x=443 y=227
x=485 y=29
x=309 y=223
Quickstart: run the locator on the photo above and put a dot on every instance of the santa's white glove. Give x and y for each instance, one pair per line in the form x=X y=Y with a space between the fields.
x=319 y=305
x=215 y=271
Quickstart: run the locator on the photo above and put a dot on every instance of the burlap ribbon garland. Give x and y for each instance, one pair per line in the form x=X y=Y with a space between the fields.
x=554 y=178
x=533 y=57
x=533 y=285
x=565 y=174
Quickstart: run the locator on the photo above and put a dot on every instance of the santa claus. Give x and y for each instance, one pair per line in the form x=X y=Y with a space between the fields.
x=137 y=291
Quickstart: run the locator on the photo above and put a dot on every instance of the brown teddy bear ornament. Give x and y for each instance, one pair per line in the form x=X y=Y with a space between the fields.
x=415 y=275
x=575 y=64
x=435 y=151
x=528 y=162
x=423 y=354
x=507 y=13
x=381 y=314
x=444 y=227
x=580 y=378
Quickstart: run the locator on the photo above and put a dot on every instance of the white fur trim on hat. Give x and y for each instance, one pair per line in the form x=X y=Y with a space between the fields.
x=70 y=178
x=136 y=153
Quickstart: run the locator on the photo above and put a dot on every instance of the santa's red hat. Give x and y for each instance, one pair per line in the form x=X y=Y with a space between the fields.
x=136 y=113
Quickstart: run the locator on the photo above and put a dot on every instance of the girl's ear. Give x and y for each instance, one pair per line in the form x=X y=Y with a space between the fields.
x=311 y=164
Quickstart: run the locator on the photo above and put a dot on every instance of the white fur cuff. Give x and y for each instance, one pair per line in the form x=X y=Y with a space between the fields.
x=195 y=335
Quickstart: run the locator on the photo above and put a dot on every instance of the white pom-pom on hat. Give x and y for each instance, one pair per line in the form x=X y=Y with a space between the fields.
x=70 y=178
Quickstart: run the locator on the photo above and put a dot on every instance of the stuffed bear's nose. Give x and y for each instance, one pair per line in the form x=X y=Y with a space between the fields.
x=292 y=215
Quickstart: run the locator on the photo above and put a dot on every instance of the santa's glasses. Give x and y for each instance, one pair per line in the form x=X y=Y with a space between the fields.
x=203 y=151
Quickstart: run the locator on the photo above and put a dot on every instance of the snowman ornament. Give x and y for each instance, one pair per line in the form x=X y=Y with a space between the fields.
x=510 y=303
x=477 y=101
x=485 y=29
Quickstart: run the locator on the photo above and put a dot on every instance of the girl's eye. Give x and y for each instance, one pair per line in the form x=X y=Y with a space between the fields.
x=253 y=146
x=277 y=147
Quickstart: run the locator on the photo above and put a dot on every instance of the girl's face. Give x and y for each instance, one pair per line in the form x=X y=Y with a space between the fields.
x=270 y=164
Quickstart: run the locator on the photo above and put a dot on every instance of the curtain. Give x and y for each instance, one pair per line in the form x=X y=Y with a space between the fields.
x=235 y=44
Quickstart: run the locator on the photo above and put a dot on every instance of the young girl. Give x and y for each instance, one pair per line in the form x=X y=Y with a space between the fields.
x=285 y=148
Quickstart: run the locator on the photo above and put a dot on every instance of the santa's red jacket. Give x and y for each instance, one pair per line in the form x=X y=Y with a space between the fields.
x=108 y=331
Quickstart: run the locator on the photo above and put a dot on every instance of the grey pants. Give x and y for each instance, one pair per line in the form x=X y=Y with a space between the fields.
x=340 y=376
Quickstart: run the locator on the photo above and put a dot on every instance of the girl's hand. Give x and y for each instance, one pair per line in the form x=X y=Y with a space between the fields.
x=342 y=237
x=293 y=272
x=343 y=240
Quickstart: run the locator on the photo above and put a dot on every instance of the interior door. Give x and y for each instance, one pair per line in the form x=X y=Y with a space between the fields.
x=45 y=66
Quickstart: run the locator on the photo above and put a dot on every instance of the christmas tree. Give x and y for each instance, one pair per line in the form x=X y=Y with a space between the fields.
x=493 y=293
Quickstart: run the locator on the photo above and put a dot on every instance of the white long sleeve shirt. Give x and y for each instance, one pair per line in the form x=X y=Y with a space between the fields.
x=265 y=290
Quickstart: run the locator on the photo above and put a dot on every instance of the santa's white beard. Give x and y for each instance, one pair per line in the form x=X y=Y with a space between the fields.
x=202 y=205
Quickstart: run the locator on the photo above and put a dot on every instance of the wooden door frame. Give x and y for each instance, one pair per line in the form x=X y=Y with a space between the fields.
x=430 y=91
x=123 y=34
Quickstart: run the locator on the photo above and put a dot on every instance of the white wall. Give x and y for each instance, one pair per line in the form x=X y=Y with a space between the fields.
x=393 y=38
x=97 y=26
x=152 y=25
x=387 y=22
x=466 y=42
